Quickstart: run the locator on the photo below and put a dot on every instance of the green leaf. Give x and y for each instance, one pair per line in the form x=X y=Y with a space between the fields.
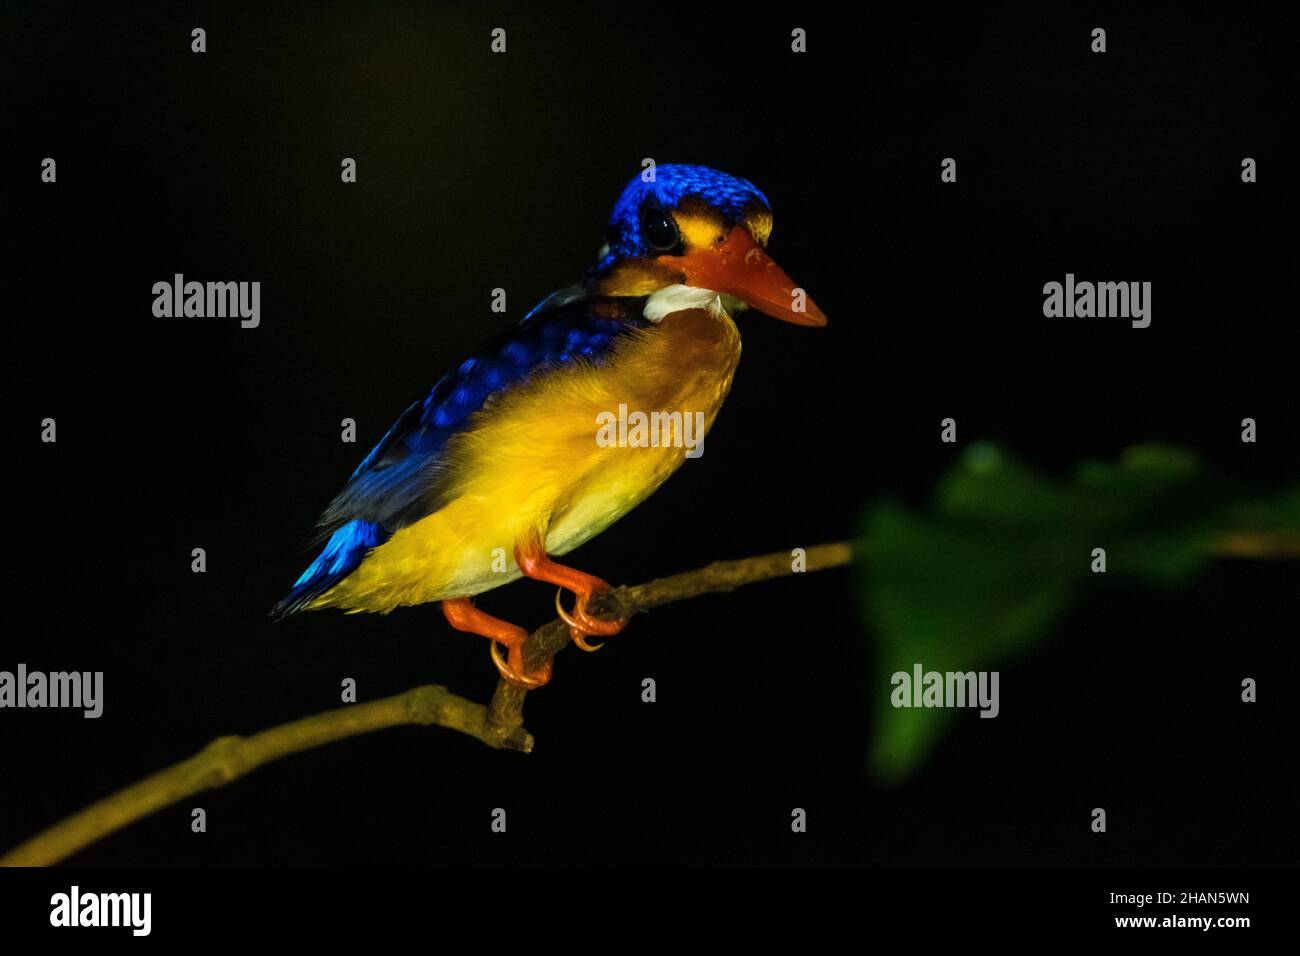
x=1006 y=551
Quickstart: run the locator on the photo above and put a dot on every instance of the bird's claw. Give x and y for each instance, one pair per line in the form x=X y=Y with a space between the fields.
x=512 y=670
x=581 y=624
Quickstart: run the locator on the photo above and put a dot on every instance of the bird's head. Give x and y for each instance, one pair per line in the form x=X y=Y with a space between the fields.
x=694 y=237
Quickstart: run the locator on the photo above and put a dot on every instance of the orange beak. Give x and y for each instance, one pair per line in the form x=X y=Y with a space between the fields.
x=739 y=267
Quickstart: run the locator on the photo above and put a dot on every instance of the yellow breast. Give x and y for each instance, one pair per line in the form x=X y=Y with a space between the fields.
x=540 y=458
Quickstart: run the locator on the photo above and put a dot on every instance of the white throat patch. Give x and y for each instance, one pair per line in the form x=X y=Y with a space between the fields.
x=679 y=298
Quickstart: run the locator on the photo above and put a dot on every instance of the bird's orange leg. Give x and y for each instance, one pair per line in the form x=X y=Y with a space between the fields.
x=530 y=555
x=464 y=616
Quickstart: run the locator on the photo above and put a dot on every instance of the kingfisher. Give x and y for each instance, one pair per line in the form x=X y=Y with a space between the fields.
x=498 y=470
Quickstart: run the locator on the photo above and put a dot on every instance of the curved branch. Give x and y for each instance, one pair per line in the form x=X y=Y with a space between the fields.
x=506 y=712
x=499 y=725
x=229 y=758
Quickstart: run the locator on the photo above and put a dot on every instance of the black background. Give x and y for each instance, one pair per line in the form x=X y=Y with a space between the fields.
x=478 y=171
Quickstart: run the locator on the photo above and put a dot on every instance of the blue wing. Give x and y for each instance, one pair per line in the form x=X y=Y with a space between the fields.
x=401 y=481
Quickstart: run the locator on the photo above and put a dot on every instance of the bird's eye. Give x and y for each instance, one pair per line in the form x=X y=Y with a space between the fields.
x=658 y=229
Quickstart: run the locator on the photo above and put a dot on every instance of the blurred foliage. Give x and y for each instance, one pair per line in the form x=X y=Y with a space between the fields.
x=1004 y=551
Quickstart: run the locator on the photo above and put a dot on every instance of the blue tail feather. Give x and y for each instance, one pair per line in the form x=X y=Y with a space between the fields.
x=343 y=554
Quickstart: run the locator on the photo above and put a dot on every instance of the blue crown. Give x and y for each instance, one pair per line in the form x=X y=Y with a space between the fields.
x=731 y=196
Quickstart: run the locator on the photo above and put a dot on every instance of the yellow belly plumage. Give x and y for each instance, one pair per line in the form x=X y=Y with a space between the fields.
x=529 y=462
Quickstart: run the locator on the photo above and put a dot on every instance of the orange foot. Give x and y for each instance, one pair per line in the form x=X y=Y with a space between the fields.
x=464 y=616
x=533 y=561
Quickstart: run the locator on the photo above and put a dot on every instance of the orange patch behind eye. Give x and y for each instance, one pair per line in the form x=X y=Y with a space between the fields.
x=700 y=226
